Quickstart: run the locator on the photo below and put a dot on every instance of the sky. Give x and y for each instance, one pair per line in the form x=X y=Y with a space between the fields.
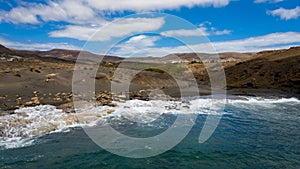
x=150 y=27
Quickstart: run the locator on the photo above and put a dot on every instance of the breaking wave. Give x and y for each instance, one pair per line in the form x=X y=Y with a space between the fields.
x=27 y=124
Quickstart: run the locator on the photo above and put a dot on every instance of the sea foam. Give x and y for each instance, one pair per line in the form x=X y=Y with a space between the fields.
x=27 y=124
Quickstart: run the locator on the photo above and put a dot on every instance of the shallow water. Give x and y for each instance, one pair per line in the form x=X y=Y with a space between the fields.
x=253 y=133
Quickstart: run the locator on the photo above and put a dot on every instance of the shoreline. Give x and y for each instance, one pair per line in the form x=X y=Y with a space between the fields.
x=37 y=79
x=106 y=98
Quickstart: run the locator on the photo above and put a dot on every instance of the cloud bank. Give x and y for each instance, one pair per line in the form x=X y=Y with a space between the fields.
x=203 y=30
x=119 y=28
x=269 y=1
x=253 y=44
x=92 y=11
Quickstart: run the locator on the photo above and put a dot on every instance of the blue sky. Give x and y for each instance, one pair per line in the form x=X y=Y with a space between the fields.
x=126 y=28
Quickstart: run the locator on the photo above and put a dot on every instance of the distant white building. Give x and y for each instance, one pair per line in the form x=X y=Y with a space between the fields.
x=12 y=59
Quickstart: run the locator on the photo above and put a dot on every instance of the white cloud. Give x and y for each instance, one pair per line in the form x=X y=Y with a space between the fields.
x=269 y=41
x=91 y=11
x=286 y=14
x=117 y=28
x=75 y=31
x=143 y=45
x=141 y=41
x=269 y=1
x=19 y=15
x=36 y=46
x=136 y=45
x=223 y=32
x=253 y=44
x=203 y=30
x=186 y=32
x=63 y=10
x=85 y=17
x=151 y=5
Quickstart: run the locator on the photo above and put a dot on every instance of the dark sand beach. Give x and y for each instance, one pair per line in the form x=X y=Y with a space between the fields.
x=46 y=77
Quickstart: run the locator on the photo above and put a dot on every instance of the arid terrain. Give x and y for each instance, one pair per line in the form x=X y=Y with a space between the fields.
x=45 y=77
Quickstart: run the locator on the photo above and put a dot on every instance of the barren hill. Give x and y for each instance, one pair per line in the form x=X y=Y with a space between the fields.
x=4 y=50
x=278 y=69
x=48 y=74
x=59 y=54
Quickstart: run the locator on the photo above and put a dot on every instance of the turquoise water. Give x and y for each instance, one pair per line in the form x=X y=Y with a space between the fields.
x=253 y=133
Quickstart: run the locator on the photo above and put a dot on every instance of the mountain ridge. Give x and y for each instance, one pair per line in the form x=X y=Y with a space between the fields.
x=71 y=55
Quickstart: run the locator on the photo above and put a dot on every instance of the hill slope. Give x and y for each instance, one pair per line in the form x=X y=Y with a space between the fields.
x=278 y=69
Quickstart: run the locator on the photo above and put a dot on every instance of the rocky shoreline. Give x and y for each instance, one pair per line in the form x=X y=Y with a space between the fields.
x=38 y=80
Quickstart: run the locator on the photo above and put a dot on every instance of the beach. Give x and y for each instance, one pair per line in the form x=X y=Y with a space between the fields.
x=257 y=127
x=48 y=80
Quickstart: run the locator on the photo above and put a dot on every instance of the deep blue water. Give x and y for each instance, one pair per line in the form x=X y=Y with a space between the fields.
x=250 y=135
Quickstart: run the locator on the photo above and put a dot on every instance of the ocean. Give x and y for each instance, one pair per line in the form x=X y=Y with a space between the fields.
x=253 y=132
